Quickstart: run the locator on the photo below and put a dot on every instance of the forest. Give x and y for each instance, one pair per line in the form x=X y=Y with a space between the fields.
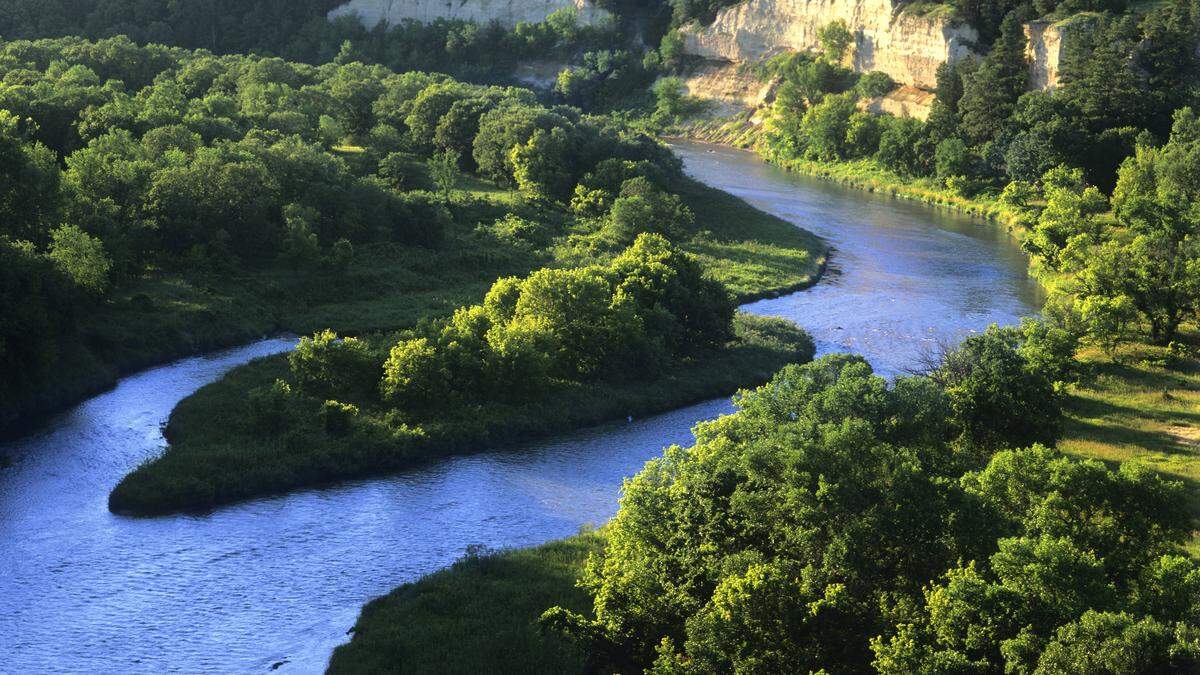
x=144 y=179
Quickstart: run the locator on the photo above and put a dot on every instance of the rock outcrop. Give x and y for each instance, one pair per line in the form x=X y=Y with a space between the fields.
x=727 y=88
x=902 y=102
x=904 y=44
x=1047 y=46
x=507 y=12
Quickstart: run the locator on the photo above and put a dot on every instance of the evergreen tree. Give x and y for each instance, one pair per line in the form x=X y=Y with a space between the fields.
x=990 y=94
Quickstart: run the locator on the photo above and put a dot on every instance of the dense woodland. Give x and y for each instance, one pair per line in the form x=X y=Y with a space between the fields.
x=127 y=161
x=840 y=521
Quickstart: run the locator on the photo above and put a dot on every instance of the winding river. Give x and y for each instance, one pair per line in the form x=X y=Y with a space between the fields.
x=276 y=583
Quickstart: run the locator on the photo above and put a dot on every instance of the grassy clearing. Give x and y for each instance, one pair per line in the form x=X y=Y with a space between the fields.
x=479 y=616
x=211 y=463
x=1142 y=405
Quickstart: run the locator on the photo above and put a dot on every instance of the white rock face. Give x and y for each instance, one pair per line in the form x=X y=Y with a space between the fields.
x=1047 y=45
x=507 y=12
x=907 y=47
x=727 y=88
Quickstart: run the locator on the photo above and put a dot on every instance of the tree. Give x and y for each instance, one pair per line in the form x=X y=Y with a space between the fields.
x=644 y=207
x=542 y=166
x=1070 y=223
x=81 y=257
x=997 y=399
x=673 y=298
x=503 y=129
x=443 y=169
x=300 y=247
x=575 y=309
x=327 y=367
x=825 y=127
x=671 y=99
x=835 y=39
x=990 y=93
x=29 y=184
x=901 y=146
x=413 y=375
x=1152 y=266
x=953 y=158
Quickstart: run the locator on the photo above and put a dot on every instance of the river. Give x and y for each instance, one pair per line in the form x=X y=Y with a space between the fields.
x=276 y=583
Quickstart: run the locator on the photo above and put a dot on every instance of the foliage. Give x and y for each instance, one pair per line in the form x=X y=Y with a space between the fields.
x=832 y=522
x=81 y=257
x=443 y=170
x=325 y=366
x=835 y=39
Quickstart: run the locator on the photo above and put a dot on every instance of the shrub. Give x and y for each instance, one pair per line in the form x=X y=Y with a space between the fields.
x=326 y=367
x=336 y=417
x=413 y=375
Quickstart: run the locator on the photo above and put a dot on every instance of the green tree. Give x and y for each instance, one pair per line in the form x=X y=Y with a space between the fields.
x=82 y=257
x=541 y=166
x=300 y=247
x=413 y=375
x=327 y=367
x=29 y=185
x=997 y=399
x=825 y=127
x=1154 y=264
x=835 y=39
x=990 y=93
x=1070 y=223
x=443 y=169
x=953 y=158
x=644 y=207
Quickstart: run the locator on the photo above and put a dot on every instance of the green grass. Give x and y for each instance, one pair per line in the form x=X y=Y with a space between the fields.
x=1142 y=405
x=220 y=453
x=479 y=616
x=754 y=254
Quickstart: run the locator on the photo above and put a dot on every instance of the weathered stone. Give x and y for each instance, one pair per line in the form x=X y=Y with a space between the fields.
x=1047 y=45
x=907 y=46
x=902 y=102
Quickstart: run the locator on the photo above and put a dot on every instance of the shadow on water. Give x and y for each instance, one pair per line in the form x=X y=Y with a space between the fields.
x=277 y=582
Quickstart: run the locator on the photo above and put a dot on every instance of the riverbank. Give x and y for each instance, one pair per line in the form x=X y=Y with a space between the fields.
x=478 y=616
x=1138 y=404
x=210 y=464
x=387 y=287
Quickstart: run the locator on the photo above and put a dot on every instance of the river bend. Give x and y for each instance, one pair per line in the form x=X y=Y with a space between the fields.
x=276 y=583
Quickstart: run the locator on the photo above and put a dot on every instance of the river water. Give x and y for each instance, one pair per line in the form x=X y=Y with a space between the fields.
x=276 y=583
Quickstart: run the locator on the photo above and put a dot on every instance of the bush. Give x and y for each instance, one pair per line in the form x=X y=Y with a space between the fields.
x=326 y=367
x=413 y=376
x=336 y=417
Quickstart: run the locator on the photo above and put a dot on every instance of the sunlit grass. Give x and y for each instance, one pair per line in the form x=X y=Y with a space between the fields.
x=1141 y=404
x=479 y=616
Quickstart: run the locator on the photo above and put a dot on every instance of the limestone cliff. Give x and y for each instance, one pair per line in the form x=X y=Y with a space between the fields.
x=507 y=12
x=906 y=45
x=727 y=88
x=1047 y=45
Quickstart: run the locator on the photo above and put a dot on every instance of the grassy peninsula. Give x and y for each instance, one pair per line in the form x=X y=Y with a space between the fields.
x=558 y=350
